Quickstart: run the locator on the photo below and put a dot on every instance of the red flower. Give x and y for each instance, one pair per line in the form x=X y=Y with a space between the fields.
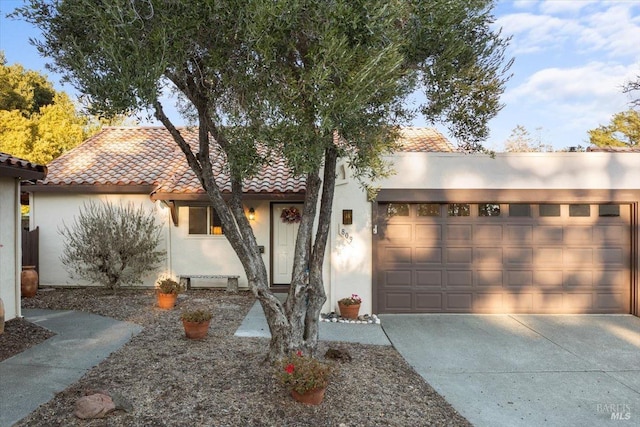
x=289 y=368
x=299 y=353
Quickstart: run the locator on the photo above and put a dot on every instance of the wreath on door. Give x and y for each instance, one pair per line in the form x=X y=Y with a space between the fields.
x=291 y=215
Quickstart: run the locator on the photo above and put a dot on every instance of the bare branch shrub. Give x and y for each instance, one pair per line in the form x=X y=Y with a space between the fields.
x=113 y=245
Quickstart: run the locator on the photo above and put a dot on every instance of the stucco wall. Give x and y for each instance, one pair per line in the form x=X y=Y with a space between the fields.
x=9 y=247
x=50 y=210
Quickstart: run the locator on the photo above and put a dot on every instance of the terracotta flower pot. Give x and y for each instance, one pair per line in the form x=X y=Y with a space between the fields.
x=312 y=397
x=196 y=330
x=28 y=281
x=349 y=311
x=167 y=301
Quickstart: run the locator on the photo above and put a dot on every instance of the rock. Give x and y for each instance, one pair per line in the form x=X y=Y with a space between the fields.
x=338 y=354
x=94 y=406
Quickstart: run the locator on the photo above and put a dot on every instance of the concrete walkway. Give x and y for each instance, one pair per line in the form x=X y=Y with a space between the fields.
x=527 y=370
x=34 y=376
x=255 y=325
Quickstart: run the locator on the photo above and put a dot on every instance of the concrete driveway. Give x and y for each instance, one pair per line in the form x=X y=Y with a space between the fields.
x=527 y=370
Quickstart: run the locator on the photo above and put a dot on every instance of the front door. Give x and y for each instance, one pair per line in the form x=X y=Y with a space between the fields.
x=285 y=229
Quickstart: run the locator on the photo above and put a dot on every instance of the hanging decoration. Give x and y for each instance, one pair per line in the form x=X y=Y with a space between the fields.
x=291 y=215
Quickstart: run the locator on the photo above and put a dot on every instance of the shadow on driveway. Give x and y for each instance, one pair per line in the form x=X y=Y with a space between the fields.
x=527 y=370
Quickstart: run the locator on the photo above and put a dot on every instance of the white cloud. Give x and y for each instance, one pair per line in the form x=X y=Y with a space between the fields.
x=564 y=6
x=533 y=33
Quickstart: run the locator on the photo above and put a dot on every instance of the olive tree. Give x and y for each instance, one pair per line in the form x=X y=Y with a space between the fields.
x=309 y=81
x=112 y=245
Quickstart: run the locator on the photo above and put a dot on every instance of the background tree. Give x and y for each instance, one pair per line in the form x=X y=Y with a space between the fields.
x=113 y=245
x=622 y=131
x=521 y=141
x=281 y=78
x=633 y=86
x=37 y=122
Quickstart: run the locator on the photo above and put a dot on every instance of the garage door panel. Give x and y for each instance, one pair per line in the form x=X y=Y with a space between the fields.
x=399 y=232
x=429 y=233
x=484 y=256
x=548 y=278
x=428 y=302
x=394 y=278
x=578 y=256
x=520 y=233
x=487 y=302
x=462 y=302
x=519 y=278
x=459 y=278
x=548 y=234
x=548 y=256
x=519 y=255
x=488 y=232
x=578 y=278
x=459 y=255
x=578 y=234
x=460 y=232
x=578 y=303
x=610 y=256
x=429 y=278
x=608 y=301
x=398 y=301
x=431 y=255
x=489 y=278
x=504 y=264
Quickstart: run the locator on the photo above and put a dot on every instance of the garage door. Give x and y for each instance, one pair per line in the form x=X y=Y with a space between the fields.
x=502 y=258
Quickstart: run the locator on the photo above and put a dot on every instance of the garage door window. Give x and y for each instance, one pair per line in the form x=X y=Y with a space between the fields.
x=488 y=209
x=429 y=209
x=549 y=210
x=397 y=209
x=459 y=209
x=609 y=210
x=579 y=210
x=520 y=210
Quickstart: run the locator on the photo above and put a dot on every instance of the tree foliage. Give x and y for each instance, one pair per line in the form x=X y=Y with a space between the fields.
x=112 y=245
x=269 y=78
x=622 y=131
x=521 y=141
x=633 y=88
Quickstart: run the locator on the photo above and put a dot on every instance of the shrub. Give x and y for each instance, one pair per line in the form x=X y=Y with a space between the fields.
x=197 y=316
x=111 y=245
x=303 y=373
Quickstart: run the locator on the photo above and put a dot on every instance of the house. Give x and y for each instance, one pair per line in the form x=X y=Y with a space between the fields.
x=449 y=232
x=12 y=171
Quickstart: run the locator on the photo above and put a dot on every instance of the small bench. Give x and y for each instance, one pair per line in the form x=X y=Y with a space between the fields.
x=232 y=281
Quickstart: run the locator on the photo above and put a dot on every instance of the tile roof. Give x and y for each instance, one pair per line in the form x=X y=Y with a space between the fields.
x=148 y=156
x=612 y=149
x=17 y=167
x=416 y=139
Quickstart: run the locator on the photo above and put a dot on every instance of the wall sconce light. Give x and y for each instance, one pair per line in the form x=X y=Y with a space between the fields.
x=252 y=214
x=347 y=217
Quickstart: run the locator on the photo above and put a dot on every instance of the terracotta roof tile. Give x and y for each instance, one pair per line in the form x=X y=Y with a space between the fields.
x=148 y=156
x=415 y=139
x=15 y=166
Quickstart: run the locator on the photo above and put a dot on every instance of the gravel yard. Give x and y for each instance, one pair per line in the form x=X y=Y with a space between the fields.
x=222 y=380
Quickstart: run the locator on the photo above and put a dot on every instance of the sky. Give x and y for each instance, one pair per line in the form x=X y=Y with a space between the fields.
x=572 y=58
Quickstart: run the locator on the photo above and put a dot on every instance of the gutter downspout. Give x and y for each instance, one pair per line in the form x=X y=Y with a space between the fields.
x=18 y=247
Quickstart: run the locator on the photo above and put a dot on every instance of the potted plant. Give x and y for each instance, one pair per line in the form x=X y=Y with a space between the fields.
x=196 y=323
x=168 y=290
x=306 y=377
x=350 y=306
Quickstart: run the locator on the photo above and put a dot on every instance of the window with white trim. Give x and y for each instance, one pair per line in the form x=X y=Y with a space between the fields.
x=204 y=220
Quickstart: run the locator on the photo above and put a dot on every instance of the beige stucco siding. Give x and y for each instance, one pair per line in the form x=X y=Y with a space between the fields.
x=9 y=247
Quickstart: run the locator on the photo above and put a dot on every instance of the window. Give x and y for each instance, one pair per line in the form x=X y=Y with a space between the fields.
x=549 y=210
x=579 y=210
x=609 y=210
x=519 y=209
x=204 y=220
x=429 y=209
x=397 y=209
x=459 y=209
x=488 y=209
